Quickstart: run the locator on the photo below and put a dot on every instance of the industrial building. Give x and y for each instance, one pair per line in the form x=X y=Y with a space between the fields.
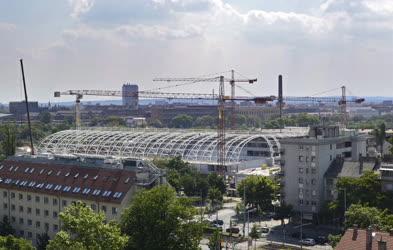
x=35 y=189
x=306 y=159
x=199 y=147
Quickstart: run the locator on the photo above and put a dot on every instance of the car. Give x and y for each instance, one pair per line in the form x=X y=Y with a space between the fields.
x=264 y=231
x=219 y=222
x=307 y=242
x=321 y=240
x=234 y=230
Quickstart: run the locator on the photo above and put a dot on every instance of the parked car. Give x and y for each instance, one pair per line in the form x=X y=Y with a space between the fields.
x=321 y=240
x=308 y=242
x=234 y=230
x=264 y=231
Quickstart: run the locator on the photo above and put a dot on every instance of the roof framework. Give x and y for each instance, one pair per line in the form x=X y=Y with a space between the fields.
x=192 y=146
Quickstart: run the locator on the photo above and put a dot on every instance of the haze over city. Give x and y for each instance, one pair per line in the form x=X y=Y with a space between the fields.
x=317 y=45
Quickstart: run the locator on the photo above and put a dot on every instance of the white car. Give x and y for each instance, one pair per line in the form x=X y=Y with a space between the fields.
x=307 y=242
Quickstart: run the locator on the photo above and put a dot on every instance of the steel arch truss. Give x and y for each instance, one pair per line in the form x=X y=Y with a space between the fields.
x=192 y=146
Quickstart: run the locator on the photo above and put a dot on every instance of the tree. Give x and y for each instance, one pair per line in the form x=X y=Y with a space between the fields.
x=215 y=240
x=254 y=235
x=182 y=121
x=157 y=219
x=215 y=197
x=365 y=216
x=205 y=121
x=259 y=191
x=8 y=138
x=5 y=227
x=334 y=239
x=380 y=135
x=84 y=229
x=216 y=181
x=42 y=241
x=14 y=243
x=45 y=117
x=284 y=211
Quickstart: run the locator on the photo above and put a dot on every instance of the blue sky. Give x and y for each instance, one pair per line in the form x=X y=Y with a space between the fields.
x=98 y=44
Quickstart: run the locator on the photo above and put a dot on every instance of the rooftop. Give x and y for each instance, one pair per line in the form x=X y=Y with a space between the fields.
x=356 y=239
x=54 y=178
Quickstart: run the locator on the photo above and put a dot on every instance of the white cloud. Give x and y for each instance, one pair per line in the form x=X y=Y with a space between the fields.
x=7 y=26
x=383 y=7
x=80 y=7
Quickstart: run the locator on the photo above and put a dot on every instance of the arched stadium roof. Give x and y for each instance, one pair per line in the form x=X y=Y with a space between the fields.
x=192 y=146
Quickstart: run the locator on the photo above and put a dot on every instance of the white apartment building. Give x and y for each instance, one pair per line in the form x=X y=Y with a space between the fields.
x=306 y=159
x=33 y=193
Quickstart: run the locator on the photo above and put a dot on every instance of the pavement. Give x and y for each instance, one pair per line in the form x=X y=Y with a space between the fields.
x=276 y=235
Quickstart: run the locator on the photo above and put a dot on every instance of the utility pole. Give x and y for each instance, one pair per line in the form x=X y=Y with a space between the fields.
x=27 y=108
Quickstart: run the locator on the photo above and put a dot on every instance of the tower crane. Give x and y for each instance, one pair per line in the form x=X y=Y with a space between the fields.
x=341 y=101
x=221 y=106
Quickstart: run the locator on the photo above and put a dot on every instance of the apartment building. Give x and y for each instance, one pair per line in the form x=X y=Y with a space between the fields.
x=387 y=176
x=33 y=193
x=304 y=161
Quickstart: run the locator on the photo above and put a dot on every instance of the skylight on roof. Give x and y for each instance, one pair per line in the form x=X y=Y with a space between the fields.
x=76 y=176
x=27 y=170
x=42 y=170
x=58 y=173
x=67 y=174
x=50 y=172
x=31 y=170
x=85 y=177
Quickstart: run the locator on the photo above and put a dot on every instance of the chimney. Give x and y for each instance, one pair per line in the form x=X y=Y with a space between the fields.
x=355 y=232
x=369 y=238
x=382 y=244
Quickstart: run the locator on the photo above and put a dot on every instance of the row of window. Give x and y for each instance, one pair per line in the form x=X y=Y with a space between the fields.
x=301 y=181
x=306 y=158
x=37 y=224
x=55 y=214
x=29 y=198
x=313 y=170
x=307 y=202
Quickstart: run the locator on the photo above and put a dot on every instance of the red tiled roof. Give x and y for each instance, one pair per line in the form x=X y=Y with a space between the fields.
x=351 y=241
x=19 y=175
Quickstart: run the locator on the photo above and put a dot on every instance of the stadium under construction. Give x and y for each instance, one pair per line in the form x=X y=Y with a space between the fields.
x=198 y=147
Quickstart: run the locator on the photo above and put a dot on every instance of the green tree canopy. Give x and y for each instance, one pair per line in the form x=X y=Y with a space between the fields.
x=8 y=139
x=365 y=216
x=82 y=228
x=10 y=242
x=259 y=191
x=6 y=227
x=215 y=197
x=182 y=121
x=215 y=241
x=216 y=181
x=157 y=219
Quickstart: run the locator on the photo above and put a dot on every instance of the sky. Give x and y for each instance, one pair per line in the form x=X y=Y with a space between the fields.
x=317 y=45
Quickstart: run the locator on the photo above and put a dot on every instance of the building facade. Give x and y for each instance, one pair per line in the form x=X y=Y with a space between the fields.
x=33 y=193
x=387 y=176
x=130 y=96
x=305 y=160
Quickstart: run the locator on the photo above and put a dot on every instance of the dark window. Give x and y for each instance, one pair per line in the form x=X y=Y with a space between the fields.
x=64 y=203
x=103 y=208
x=29 y=210
x=13 y=219
x=20 y=196
x=20 y=208
x=54 y=202
x=55 y=215
x=46 y=200
x=20 y=220
x=29 y=222
x=37 y=199
x=5 y=205
x=29 y=235
x=93 y=206
x=29 y=197
x=55 y=227
x=114 y=210
x=4 y=193
x=12 y=207
x=37 y=224
x=46 y=212
x=12 y=195
x=37 y=211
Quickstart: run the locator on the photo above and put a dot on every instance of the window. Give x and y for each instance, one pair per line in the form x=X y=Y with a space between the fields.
x=54 y=201
x=300 y=158
x=103 y=208
x=114 y=210
x=300 y=180
x=28 y=197
x=46 y=200
x=5 y=205
x=306 y=158
x=46 y=226
x=313 y=170
x=314 y=192
x=331 y=146
x=312 y=158
x=4 y=194
x=21 y=233
x=55 y=215
x=21 y=209
x=29 y=235
x=301 y=146
x=37 y=224
x=29 y=222
x=20 y=196
x=64 y=203
x=13 y=219
x=12 y=195
x=55 y=227
x=313 y=182
x=12 y=207
x=37 y=199
x=46 y=213
x=37 y=211
x=94 y=207
x=313 y=203
x=300 y=201
x=306 y=170
x=301 y=170
x=21 y=221
x=331 y=158
x=307 y=202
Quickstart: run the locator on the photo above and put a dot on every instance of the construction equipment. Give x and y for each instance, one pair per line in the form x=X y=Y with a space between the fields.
x=342 y=102
x=221 y=107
